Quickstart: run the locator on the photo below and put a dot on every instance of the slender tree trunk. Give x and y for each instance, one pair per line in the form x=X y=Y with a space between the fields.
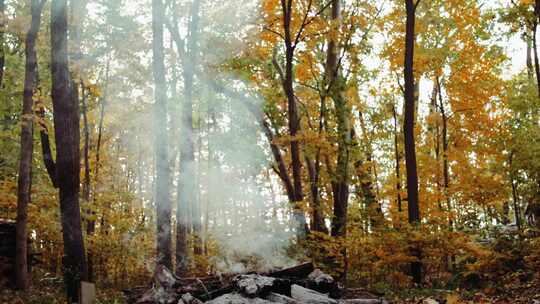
x=335 y=89
x=186 y=180
x=211 y=126
x=528 y=41
x=294 y=122
x=162 y=194
x=192 y=51
x=397 y=159
x=446 y=170
x=197 y=204
x=314 y=174
x=78 y=8
x=67 y=134
x=367 y=176
x=27 y=148
x=2 y=31
x=86 y=149
x=102 y=106
x=536 y=60
x=515 y=199
x=408 y=130
x=435 y=131
x=91 y=227
x=48 y=159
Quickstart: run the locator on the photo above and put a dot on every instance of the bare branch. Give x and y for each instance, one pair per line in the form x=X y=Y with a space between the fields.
x=303 y=23
x=273 y=32
x=416 y=4
x=277 y=66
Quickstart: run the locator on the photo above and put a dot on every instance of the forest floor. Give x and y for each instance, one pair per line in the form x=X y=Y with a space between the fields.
x=507 y=288
x=519 y=293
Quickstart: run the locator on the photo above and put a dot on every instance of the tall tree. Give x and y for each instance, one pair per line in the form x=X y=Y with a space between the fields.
x=286 y=74
x=162 y=194
x=187 y=194
x=408 y=130
x=67 y=135
x=336 y=83
x=27 y=147
x=397 y=155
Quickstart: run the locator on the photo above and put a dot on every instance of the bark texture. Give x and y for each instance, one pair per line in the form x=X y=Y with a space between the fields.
x=336 y=83
x=162 y=194
x=296 y=196
x=408 y=130
x=27 y=148
x=67 y=135
x=187 y=185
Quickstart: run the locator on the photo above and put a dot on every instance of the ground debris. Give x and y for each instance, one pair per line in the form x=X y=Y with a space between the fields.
x=252 y=285
x=308 y=296
x=237 y=298
x=301 y=284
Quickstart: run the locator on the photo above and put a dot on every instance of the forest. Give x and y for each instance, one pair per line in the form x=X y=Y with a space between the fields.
x=269 y=151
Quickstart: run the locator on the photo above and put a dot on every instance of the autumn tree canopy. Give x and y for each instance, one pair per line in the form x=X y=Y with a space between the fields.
x=396 y=144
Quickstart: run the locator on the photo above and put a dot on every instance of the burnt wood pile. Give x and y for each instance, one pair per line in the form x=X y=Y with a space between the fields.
x=295 y=285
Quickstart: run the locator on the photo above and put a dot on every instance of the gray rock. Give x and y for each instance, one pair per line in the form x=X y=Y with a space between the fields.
x=279 y=298
x=319 y=277
x=253 y=285
x=187 y=298
x=309 y=296
x=236 y=298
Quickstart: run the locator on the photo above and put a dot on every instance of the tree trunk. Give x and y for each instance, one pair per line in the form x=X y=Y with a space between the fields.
x=446 y=170
x=535 y=54
x=336 y=84
x=192 y=55
x=314 y=174
x=528 y=41
x=397 y=159
x=367 y=177
x=91 y=227
x=67 y=134
x=186 y=180
x=27 y=148
x=102 y=105
x=294 y=122
x=515 y=199
x=86 y=148
x=408 y=130
x=48 y=160
x=162 y=198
